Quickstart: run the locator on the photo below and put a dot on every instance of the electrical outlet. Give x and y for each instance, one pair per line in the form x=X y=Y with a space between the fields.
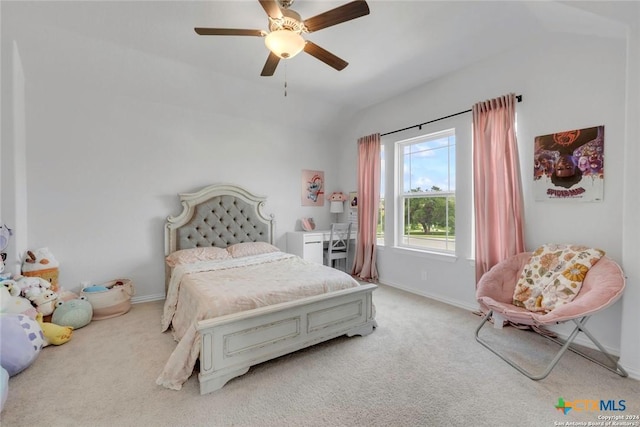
x=423 y=275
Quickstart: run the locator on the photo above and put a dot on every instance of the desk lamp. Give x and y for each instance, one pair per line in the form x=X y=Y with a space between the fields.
x=336 y=206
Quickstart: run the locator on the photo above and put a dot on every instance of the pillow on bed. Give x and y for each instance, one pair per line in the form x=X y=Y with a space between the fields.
x=188 y=256
x=251 y=248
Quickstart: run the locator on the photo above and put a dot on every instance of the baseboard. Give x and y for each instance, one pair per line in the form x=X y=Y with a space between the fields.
x=454 y=303
x=633 y=373
x=147 y=298
x=582 y=340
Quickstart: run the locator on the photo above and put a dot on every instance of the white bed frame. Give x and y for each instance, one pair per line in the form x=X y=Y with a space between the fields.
x=231 y=344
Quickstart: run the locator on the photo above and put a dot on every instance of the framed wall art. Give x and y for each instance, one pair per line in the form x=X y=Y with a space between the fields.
x=312 y=188
x=569 y=165
x=353 y=200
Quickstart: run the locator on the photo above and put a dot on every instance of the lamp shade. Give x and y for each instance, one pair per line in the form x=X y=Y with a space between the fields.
x=284 y=43
x=336 y=207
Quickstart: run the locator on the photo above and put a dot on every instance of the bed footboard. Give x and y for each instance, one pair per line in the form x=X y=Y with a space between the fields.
x=231 y=344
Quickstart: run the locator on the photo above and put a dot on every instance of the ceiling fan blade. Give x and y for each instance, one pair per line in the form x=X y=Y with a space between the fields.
x=325 y=56
x=272 y=8
x=229 y=32
x=270 y=66
x=340 y=14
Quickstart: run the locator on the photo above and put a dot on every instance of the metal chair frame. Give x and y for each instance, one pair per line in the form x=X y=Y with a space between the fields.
x=580 y=327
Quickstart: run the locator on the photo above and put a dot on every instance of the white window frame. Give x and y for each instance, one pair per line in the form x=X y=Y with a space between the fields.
x=402 y=197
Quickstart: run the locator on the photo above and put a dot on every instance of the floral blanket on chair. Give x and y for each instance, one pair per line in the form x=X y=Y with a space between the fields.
x=554 y=276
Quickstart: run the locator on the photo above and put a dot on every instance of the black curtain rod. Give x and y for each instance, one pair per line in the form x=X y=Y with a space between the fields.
x=419 y=126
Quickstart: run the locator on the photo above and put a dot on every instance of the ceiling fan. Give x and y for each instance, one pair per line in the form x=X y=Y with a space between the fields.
x=284 y=38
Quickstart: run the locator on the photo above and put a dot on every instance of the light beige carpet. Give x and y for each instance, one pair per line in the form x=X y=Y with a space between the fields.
x=421 y=367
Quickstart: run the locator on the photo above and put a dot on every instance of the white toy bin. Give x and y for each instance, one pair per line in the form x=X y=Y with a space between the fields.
x=115 y=301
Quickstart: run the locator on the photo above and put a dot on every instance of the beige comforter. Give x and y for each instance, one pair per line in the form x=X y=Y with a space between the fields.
x=210 y=289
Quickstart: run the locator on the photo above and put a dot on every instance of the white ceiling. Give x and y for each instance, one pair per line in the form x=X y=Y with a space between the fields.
x=398 y=46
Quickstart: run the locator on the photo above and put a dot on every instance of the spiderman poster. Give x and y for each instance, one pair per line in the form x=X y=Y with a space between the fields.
x=569 y=165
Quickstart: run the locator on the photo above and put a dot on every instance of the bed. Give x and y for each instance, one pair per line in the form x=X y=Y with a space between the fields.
x=235 y=300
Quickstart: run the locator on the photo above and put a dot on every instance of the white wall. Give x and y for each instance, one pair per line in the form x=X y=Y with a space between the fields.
x=630 y=346
x=567 y=82
x=111 y=136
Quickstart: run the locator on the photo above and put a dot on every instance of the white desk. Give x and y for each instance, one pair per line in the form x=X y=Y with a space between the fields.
x=310 y=244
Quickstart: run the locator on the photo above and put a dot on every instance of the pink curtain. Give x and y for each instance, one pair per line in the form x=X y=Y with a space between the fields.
x=364 y=264
x=496 y=180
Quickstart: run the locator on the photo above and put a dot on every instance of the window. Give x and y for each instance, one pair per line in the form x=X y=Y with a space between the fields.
x=426 y=192
x=381 y=213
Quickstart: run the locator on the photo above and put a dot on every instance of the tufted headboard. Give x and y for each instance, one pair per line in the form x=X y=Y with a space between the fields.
x=218 y=215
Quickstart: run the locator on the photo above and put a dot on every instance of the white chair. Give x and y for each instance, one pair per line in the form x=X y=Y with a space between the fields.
x=338 y=247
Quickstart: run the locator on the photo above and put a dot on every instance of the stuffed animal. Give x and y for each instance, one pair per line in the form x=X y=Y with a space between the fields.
x=75 y=313
x=2 y=268
x=44 y=302
x=5 y=235
x=22 y=340
x=4 y=387
x=65 y=295
x=31 y=286
x=3 y=275
x=38 y=291
x=54 y=334
x=41 y=263
x=12 y=302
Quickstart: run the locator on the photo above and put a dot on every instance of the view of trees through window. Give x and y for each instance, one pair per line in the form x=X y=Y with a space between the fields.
x=428 y=192
x=430 y=221
x=431 y=213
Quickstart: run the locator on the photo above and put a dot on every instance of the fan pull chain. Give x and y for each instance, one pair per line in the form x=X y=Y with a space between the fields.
x=285 y=79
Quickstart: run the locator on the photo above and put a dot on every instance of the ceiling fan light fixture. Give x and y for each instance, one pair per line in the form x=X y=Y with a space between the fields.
x=284 y=43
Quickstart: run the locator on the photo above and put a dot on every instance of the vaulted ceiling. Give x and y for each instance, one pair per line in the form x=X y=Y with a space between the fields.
x=398 y=46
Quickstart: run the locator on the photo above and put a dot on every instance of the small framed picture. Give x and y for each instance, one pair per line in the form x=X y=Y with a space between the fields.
x=353 y=200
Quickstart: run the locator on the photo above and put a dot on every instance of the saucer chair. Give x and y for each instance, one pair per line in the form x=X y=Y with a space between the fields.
x=602 y=286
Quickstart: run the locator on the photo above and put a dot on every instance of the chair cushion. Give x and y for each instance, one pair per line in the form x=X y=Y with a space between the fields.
x=553 y=276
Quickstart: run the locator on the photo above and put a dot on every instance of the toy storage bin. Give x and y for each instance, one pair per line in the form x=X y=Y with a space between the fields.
x=114 y=301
